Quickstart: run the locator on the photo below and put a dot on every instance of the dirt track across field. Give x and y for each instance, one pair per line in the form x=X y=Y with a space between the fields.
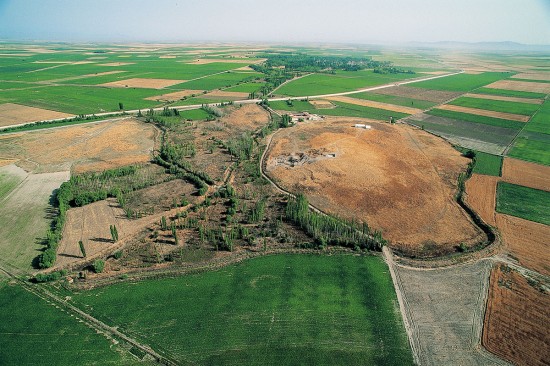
x=16 y=114
x=517 y=318
x=506 y=99
x=396 y=178
x=526 y=174
x=373 y=104
x=484 y=112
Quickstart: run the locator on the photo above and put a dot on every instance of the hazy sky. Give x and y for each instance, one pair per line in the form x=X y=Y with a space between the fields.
x=347 y=21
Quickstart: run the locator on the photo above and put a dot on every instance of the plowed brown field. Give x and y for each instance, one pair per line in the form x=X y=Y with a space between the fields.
x=87 y=147
x=397 y=178
x=517 y=318
x=143 y=83
x=15 y=114
x=526 y=174
x=527 y=241
x=436 y=96
x=533 y=76
x=480 y=196
x=521 y=86
x=373 y=104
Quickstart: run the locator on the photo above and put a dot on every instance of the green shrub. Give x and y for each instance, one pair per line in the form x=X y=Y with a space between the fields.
x=99 y=265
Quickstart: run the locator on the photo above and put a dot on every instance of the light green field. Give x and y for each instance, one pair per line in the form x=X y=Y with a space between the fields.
x=245 y=88
x=527 y=203
x=488 y=164
x=463 y=82
x=540 y=122
x=275 y=310
x=392 y=99
x=33 y=332
x=497 y=105
x=343 y=81
x=342 y=109
x=532 y=147
x=223 y=80
x=510 y=93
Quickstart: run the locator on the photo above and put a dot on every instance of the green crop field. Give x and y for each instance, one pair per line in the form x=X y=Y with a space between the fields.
x=32 y=332
x=497 y=105
x=488 y=164
x=474 y=118
x=462 y=82
x=317 y=84
x=527 y=203
x=540 y=122
x=217 y=81
x=534 y=147
x=245 y=88
x=7 y=183
x=275 y=310
x=392 y=99
x=342 y=109
x=510 y=93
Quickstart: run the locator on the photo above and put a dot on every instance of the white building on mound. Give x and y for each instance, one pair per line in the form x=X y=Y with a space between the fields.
x=359 y=125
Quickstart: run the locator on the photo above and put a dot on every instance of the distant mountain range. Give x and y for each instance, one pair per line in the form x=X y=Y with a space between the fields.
x=481 y=46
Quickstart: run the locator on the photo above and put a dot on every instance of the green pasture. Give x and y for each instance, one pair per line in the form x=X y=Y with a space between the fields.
x=527 y=203
x=474 y=118
x=245 y=88
x=33 y=332
x=488 y=164
x=275 y=310
x=540 y=122
x=217 y=81
x=530 y=146
x=462 y=82
x=497 y=105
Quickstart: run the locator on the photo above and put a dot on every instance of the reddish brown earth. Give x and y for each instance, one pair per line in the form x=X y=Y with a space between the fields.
x=481 y=194
x=399 y=179
x=526 y=174
x=517 y=318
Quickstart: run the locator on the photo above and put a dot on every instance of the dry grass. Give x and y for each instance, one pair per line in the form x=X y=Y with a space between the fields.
x=533 y=76
x=436 y=96
x=379 y=105
x=171 y=97
x=319 y=103
x=117 y=64
x=521 y=86
x=226 y=94
x=205 y=61
x=143 y=83
x=481 y=195
x=88 y=147
x=397 y=178
x=484 y=112
x=517 y=318
x=15 y=114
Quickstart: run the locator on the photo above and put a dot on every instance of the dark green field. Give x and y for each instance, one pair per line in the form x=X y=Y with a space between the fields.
x=497 y=105
x=32 y=332
x=488 y=164
x=534 y=147
x=498 y=122
x=463 y=82
x=540 y=122
x=275 y=310
x=527 y=203
x=510 y=93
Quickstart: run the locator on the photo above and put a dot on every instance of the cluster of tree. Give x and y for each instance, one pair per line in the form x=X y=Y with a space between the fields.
x=212 y=110
x=328 y=230
x=392 y=70
x=241 y=147
x=257 y=213
x=114 y=233
x=48 y=277
x=292 y=62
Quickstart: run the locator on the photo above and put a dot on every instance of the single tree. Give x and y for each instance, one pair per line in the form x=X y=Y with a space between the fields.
x=82 y=249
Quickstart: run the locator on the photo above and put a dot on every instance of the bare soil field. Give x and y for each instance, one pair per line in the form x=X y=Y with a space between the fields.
x=205 y=61
x=379 y=105
x=533 y=76
x=320 y=103
x=527 y=241
x=506 y=99
x=484 y=112
x=226 y=94
x=25 y=215
x=517 y=318
x=15 y=114
x=143 y=83
x=444 y=308
x=526 y=174
x=117 y=64
x=172 y=97
x=481 y=196
x=89 y=147
x=436 y=96
x=248 y=117
x=521 y=86
x=398 y=179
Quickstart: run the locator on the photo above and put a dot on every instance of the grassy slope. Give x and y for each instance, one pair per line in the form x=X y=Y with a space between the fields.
x=527 y=203
x=488 y=164
x=7 y=183
x=33 y=332
x=477 y=119
x=462 y=82
x=497 y=105
x=272 y=310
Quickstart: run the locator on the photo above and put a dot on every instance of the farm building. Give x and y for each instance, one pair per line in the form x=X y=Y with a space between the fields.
x=359 y=125
x=304 y=116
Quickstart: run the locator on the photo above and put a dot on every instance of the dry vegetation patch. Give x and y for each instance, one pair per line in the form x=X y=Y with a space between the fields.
x=395 y=177
x=526 y=174
x=88 y=147
x=436 y=96
x=506 y=99
x=323 y=104
x=517 y=318
x=533 y=76
x=521 y=86
x=481 y=196
x=527 y=241
x=143 y=83
x=15 y=114
x=171 y=97
x=226 y=94
x=117 y=64
x=484 y=112
x=379 y=105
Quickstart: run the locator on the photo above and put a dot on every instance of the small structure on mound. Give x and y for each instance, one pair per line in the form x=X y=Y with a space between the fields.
x=304 y=116
x=360 y=125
